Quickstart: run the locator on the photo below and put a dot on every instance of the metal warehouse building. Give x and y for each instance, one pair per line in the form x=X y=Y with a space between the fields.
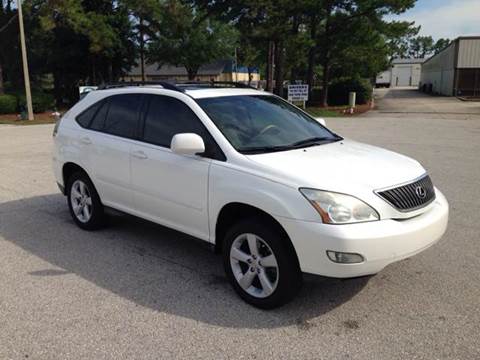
x=455 y=71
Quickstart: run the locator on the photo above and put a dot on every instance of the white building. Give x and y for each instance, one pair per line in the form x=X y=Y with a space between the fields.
x=406 y=72
x=403 y=72
x=455 y=71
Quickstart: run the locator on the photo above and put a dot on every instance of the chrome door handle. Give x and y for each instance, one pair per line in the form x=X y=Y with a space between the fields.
x=139 y=155
x=85 y=140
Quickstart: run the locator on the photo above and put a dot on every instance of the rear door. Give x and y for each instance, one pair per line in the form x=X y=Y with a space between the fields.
x=171 y=189
x=109 y=139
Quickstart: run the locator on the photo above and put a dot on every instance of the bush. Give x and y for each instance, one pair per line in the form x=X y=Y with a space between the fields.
x=338 y=91
x=8 y=104
x=41 y=102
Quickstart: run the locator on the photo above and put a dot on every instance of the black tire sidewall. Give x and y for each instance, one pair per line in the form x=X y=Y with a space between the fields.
x=97 y=219
x=290 y=277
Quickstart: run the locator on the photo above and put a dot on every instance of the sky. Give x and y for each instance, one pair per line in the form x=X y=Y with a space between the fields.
x=445 y=18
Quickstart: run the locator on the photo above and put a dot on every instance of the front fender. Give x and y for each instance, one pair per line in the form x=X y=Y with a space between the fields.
x=229 y=185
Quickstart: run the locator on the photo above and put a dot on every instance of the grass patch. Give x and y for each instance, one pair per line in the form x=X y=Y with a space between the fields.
x=42 y=118
x=336 y=111
x=322 y=112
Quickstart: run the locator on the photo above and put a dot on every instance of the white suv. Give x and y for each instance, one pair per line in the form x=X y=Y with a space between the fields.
x=268 y=186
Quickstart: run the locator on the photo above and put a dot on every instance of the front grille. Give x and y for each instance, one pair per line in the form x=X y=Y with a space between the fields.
x=411 y=196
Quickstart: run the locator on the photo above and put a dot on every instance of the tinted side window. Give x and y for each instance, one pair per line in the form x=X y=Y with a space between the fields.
x=86 y=116
x=168 y=116
x=122 y=115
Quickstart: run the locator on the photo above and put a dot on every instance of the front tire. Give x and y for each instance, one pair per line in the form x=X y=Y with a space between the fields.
x=84 y=203
x=260 y=264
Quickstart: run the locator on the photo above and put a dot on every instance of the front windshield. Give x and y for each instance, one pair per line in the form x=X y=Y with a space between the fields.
x=264 y=123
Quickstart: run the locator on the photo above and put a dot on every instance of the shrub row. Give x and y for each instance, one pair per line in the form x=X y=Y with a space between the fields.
x=41 y=102
x=8 y=104
x=339 y=89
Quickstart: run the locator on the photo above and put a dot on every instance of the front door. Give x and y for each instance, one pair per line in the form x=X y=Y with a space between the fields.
x=168 y=188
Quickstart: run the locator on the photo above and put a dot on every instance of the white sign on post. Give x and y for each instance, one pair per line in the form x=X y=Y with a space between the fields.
x=298 y=93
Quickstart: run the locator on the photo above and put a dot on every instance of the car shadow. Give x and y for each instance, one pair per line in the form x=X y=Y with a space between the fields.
x=154 y=267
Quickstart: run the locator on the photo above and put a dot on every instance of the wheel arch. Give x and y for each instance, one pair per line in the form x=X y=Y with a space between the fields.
x=234 y=212
x=68 y=169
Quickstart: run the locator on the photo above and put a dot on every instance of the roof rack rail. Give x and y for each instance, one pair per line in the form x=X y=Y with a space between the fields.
x=213 y=84
x=165 y=84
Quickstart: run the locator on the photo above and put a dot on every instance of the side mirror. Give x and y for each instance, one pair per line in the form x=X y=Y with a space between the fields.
x=187 y=144
x=321 y=121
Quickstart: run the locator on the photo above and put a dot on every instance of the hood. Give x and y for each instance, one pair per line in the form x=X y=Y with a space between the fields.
x=341 y=166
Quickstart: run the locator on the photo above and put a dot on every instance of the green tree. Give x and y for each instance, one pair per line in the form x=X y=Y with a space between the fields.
x=271 y=25
x=420 y=47
x=185 y=36
x=8 y=22
x=88 y=42
x=354 y=23
x=440 y=44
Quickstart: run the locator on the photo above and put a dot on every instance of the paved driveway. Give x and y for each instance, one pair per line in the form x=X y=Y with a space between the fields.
x=139 y=291
x=400 y=102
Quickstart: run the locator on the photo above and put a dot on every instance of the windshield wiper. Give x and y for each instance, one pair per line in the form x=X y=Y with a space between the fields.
x=314 y=141
x=264 y=149
x=299 y=144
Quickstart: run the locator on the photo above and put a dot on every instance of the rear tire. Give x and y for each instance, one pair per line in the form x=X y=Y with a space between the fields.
x=84 y=203
x=259 y=263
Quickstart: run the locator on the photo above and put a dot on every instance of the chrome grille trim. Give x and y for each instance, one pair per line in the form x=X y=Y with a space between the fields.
x=404 y=197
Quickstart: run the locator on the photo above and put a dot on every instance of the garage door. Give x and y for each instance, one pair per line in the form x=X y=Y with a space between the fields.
x=404 y=76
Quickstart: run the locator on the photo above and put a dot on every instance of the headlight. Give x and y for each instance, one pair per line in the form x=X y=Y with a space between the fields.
x=335 y=208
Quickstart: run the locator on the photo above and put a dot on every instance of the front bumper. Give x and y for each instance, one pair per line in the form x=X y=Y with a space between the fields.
x=379 y=242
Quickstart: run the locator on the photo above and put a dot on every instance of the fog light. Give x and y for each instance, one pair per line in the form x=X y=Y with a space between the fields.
x=344 y=258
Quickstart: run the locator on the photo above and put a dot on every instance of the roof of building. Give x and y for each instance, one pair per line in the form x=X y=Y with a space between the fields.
x=453 y=42
x=408 y=61
x=212 y=69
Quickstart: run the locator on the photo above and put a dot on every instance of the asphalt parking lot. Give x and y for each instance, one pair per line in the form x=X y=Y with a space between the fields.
x=139 y=291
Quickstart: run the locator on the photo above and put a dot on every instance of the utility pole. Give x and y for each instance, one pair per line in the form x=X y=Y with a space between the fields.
x=26 y=76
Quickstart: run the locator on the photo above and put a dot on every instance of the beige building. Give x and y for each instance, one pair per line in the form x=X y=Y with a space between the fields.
x=455 y=71
x=222 y=70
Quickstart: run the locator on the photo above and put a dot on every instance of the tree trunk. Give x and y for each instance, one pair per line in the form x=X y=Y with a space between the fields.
x=142 y=50
x=295 y=28
x=270 y=65
x=192 y=72
x=326 y=55
x=94 y=72
x=312 y=54
x=325 y=81
x=279 y=61
x=2 y=90
x=57 y=86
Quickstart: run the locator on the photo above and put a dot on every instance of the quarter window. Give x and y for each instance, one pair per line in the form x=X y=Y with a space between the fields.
x=86 y=117
x=98 y=121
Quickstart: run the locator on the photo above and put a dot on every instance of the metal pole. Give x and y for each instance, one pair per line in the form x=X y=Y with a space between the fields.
x=26 y=76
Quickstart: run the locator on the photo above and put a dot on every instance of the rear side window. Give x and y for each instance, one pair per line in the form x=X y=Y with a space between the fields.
x=168 y=116
x=122 y=115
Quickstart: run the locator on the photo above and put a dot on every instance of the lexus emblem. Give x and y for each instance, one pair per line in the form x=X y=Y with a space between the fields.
x=421 y=192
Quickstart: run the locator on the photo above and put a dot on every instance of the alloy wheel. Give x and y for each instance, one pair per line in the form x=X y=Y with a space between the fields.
x=254 y=265
x=81 y=201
